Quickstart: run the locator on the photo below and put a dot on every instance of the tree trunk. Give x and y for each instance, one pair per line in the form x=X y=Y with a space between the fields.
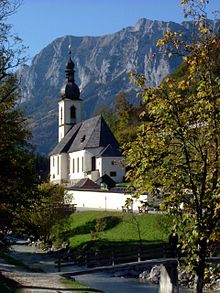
x=198 y=284
x=199 y=275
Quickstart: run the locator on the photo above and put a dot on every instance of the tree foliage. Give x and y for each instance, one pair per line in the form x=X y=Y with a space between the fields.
x=123 y=118
x=176 y=152
x=11 y=47
x=26 y=206
x=50 y=208
x=17 y=171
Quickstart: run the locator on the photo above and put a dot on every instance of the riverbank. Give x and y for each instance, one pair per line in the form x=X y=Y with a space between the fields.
x=105 y=282
x=26 y=281
x=111 y=284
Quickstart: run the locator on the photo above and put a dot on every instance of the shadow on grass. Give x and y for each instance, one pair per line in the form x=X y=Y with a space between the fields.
x=107 y=223
x=106 y=245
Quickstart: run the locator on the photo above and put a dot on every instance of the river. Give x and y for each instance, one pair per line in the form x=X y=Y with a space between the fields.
x=101 y=281
x=109 y=284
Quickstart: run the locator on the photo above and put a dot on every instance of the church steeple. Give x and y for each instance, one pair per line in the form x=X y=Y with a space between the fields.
x=70 y=90
x=70 y=68
x=70 y=105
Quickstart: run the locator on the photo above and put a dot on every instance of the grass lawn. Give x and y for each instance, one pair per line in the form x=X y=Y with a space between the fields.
x=87 y=228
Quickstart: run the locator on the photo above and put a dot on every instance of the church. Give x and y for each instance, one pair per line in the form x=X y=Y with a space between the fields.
x=87 y=150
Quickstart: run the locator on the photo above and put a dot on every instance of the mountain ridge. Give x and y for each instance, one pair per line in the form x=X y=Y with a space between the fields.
x=102 y=65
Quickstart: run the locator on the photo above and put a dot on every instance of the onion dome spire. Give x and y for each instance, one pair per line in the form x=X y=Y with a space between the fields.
x=70 y=90
x=70 y=68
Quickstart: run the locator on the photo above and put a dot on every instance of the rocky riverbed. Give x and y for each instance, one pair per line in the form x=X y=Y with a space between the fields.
x=185 y=279
x=152 y=276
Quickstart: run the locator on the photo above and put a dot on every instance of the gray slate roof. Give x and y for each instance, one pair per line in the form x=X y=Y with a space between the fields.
x=109 y=151
x=89 y=134
x=85 y=183
x=64 y=145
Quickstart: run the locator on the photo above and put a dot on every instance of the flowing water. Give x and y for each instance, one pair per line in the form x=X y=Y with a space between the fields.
x=110 y=284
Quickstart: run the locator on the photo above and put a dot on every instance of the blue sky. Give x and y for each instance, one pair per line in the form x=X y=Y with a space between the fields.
x=39 y=22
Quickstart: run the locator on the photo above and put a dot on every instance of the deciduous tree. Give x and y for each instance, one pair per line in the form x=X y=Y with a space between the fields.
x=17 y=172
x=50 y=208
x=176 y=153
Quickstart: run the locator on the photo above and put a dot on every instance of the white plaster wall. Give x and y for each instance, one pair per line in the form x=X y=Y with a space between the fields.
x=107 y=165
x=65 y=124
x=88 y=161
x=99 y=165
x=81 y=174
x=87 y=164
x=104 y=165
x=52 y=168
x=64 y=166
x=55 y=168
x=66 y=104
x=100 y=200
x=58 y=171
x=61 y=132
x=79 y=110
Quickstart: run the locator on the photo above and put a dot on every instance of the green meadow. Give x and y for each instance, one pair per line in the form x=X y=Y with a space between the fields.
x=95 y=229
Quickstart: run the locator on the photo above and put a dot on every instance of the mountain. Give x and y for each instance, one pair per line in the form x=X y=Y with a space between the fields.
x=102 y=67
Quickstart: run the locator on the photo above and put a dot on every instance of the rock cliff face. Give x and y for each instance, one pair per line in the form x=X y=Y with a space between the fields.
x=102 y=67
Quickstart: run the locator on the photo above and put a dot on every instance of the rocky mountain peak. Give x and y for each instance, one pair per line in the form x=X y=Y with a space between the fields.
x=102 y=67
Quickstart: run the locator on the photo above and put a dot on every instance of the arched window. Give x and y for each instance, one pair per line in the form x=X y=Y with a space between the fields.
x=93 y=163
x=73 y=166
x=61 y=115
x=73 y=114
x=77 y=165
x=58 y=165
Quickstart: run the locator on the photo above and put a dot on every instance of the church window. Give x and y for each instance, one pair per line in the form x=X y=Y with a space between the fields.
x=73 y=114
x=73 y=168
x=82 y=164
x=53 y=161
x=58 y=165
x=78 y=165
x=93 y=164
x=113 y=174
x=68 y=165
x=61 y=115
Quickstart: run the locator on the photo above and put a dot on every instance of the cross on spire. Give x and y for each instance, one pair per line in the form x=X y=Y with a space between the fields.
x=70 y=67
x=70 y=52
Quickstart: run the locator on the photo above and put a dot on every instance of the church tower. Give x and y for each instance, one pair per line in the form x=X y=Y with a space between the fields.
x=86 y=149
x=70 y=105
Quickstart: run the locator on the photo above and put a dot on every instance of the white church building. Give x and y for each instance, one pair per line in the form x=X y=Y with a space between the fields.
x=87 y=158
x=86 y=149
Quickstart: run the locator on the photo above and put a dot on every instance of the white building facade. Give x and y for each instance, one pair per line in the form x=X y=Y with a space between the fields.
x=85 y=149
